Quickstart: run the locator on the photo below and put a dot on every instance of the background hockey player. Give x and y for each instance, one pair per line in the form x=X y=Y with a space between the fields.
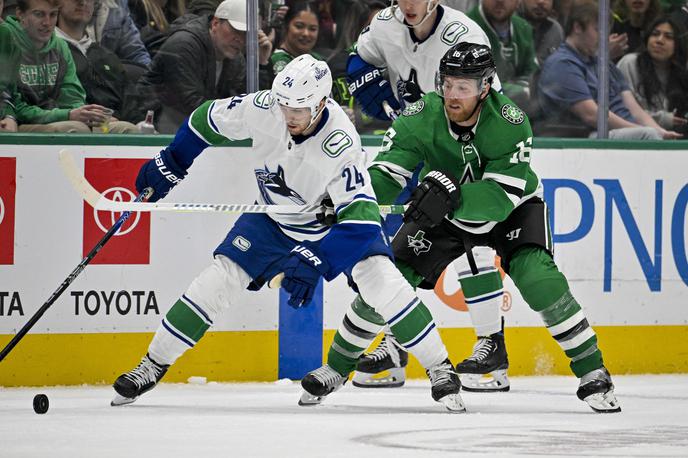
x=478 y=188
x=305 y=150
x=407 y=41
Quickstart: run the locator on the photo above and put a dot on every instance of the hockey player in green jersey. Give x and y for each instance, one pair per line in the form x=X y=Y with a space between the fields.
x=477 y=189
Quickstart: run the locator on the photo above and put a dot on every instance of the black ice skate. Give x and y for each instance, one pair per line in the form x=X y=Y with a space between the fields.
x=139 y=380
x=489 y=357
x=384 y=367
x=318 y=384
x=446 y=386
x=596 y=388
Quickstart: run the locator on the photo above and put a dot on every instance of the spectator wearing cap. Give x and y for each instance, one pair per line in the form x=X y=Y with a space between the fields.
x=201 y=60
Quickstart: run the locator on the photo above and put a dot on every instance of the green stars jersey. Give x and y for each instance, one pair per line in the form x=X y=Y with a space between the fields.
x=493 y=168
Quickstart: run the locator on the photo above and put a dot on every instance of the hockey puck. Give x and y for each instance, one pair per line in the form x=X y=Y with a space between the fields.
x=40 y=403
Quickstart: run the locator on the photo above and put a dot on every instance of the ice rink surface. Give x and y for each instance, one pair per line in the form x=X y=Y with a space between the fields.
x=541 y=416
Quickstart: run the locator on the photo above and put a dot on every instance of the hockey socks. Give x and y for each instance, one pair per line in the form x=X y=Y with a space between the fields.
x=412 y=325
x=546 y=291
x=183 y=326
x=483 y=295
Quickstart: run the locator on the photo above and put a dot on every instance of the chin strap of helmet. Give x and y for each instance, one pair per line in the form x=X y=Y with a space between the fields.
x=428 y=13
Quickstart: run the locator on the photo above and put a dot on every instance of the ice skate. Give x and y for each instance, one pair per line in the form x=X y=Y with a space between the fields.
x=134 y=383
x=596 y=388
x=446 y=386
x=384 y=367
x=318 y=384
x=485 y=369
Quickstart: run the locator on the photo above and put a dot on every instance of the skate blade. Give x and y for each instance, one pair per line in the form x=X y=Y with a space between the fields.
x=453 y=403
x=120 y=400
x=308 y=399
x=495 y=381
x=392 y=378
x=603 y=402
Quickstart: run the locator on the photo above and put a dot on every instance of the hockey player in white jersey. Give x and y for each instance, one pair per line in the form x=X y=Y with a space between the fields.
x=406 y=42
x=305 y=150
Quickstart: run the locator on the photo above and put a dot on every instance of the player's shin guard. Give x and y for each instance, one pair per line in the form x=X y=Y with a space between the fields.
x=360 y=326
x=486 y=368
x=546 y=291
x=385 y=289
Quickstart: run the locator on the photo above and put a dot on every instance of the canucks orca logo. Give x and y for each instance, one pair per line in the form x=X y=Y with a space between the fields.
x=271 y=183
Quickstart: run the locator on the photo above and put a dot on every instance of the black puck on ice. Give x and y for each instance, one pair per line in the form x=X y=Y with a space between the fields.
x=40 y=403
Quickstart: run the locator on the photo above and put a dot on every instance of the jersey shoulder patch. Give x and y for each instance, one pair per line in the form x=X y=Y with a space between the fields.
x=452 y=32
x=336 y=143
x=263 y=99
x=385 y=15
x=413 y=109
x=513 y=114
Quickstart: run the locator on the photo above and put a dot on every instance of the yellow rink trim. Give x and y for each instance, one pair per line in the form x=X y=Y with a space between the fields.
x=71 y=359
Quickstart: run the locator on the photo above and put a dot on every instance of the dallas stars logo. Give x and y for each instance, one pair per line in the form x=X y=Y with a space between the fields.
x=419 y=243
x=513 y=114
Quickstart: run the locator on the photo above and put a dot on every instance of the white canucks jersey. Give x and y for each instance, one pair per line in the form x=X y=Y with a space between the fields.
x=329 y=163
x=388 y=44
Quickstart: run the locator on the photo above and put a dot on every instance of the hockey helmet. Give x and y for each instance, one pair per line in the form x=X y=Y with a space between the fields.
x=468 y=61
x=303 y=83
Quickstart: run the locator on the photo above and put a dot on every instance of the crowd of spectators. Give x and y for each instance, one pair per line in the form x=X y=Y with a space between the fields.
x=101 y=65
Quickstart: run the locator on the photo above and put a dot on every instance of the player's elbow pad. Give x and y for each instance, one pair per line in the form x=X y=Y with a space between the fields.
x=369 y=88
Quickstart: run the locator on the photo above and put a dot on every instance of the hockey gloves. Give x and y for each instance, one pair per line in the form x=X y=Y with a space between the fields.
x=161 y=173
x=302 y=270
x=369 y=88
x=434 y=198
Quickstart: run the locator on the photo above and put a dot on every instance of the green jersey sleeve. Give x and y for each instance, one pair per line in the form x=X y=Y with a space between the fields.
x=401 y=152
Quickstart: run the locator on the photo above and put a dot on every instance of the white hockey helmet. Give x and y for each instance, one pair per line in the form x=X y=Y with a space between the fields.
x=303 y=83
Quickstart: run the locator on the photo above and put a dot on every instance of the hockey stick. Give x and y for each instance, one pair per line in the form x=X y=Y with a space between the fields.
x=70 y=278
x=100 y=202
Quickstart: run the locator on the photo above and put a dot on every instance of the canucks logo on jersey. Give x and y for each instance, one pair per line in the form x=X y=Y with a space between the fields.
x=273 y=184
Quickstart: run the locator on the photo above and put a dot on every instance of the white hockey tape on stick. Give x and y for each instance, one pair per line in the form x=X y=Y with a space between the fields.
x=389 y=111
x=100 y=202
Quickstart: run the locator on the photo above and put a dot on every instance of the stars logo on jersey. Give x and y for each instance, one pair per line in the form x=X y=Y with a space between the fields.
x=513 y=114
x=336 y=143
x=274 y=184
x=414 y=108
x=452 y=32
x=419 y=243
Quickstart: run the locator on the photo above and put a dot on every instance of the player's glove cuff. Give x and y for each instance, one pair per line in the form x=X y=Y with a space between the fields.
x=437 y=196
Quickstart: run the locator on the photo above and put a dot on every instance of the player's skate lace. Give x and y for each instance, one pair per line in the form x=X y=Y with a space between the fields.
x=446 y=386
x=146 y=372
x=482 y=349
x=140 y=379
x=322 y=381
x=388 y=346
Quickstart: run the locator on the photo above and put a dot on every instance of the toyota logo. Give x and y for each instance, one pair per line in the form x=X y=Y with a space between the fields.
x=118 y=195
x=2 y=210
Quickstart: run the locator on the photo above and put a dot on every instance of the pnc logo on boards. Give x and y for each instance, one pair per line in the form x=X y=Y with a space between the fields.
x=131 y=244
x=8 y=188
